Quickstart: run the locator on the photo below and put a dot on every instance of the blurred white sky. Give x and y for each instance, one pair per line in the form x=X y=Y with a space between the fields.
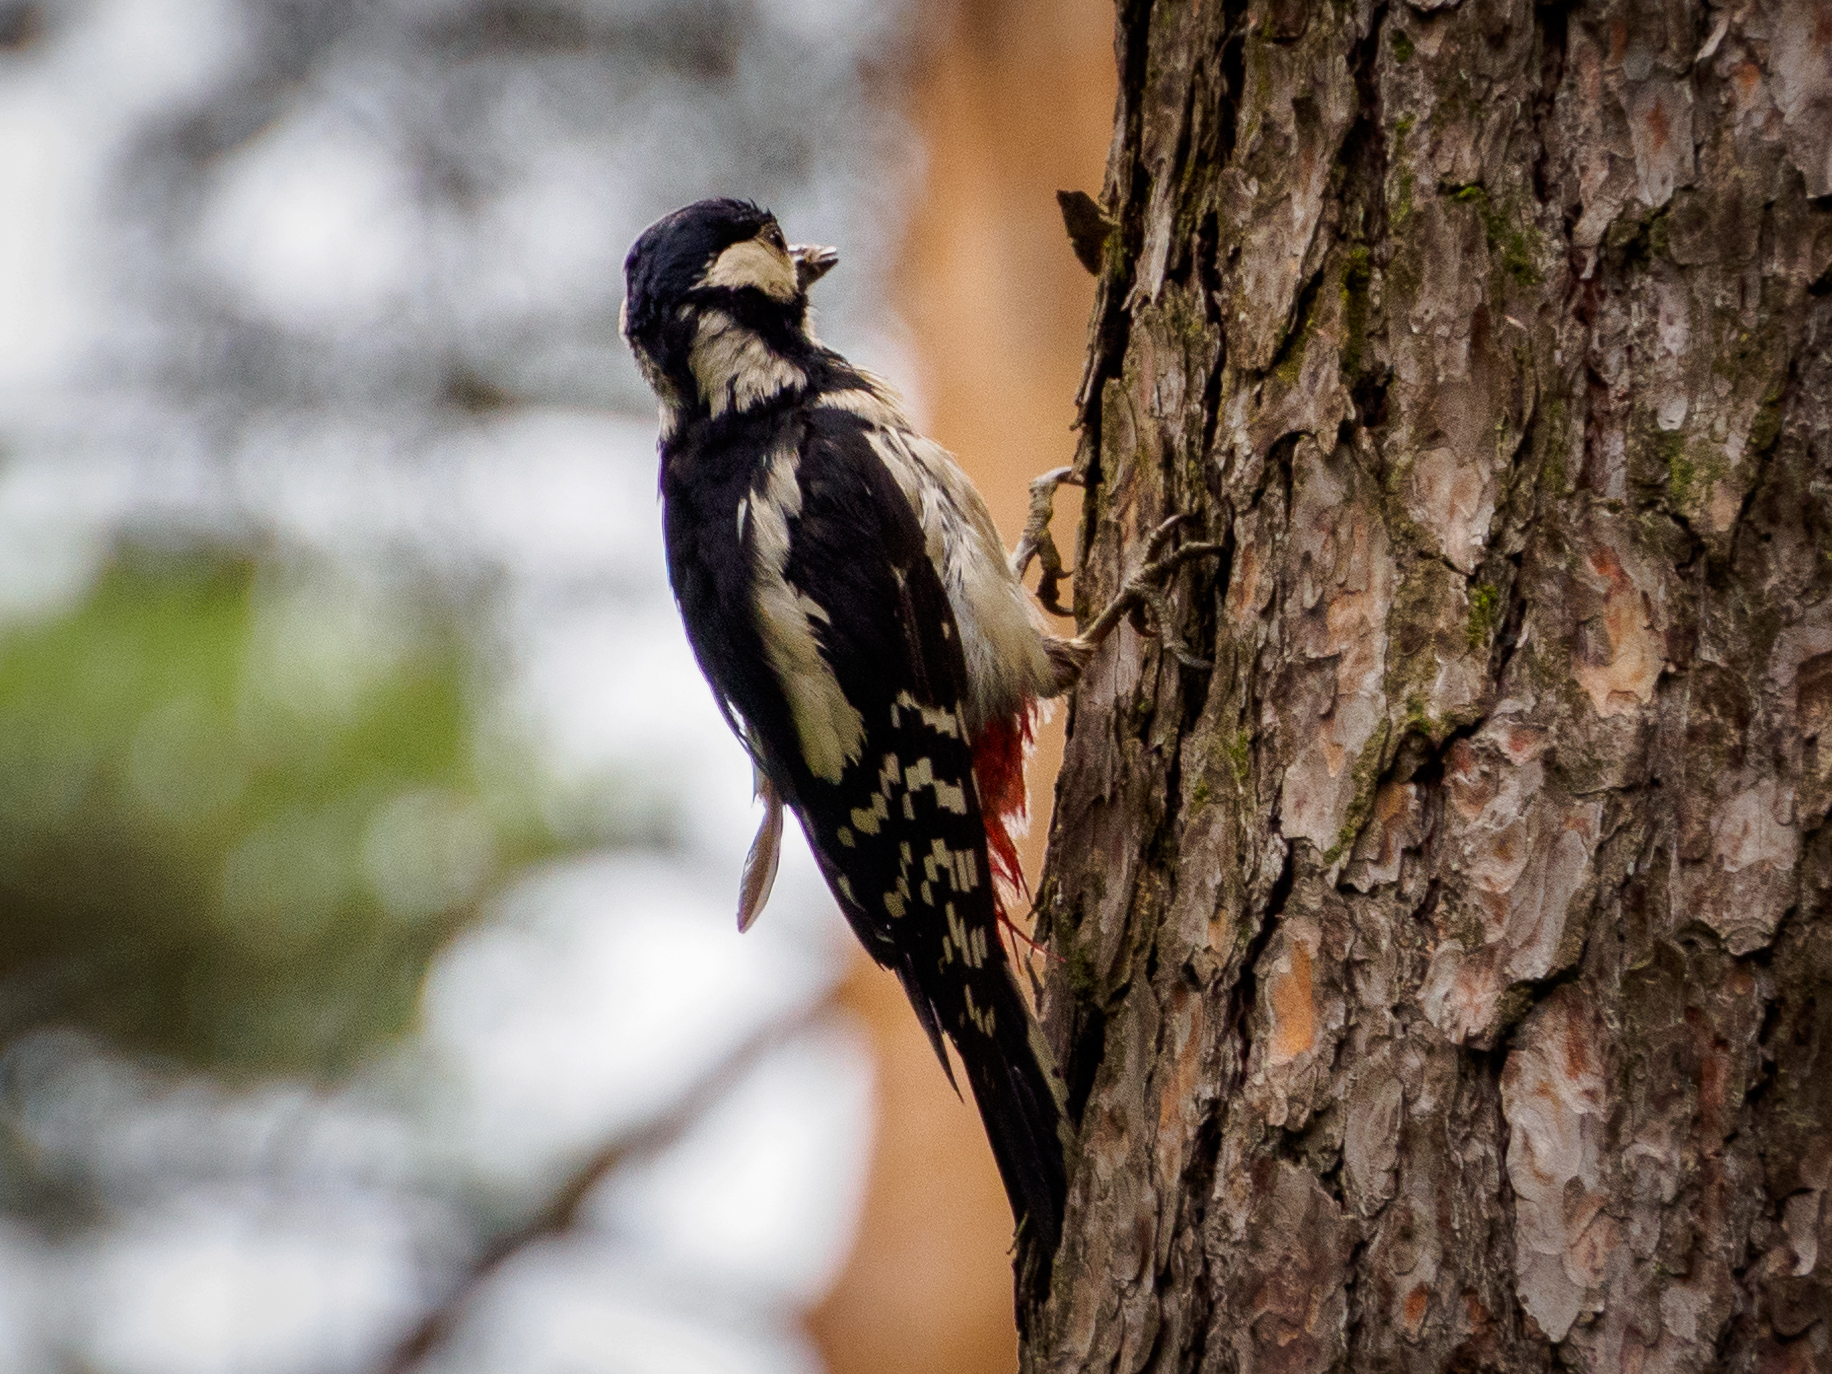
x=285 y=1228
x=64 y=112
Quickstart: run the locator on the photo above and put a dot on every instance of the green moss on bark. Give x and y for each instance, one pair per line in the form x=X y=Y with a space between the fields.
x=1484 y=611
x=1366 y=774
x=1512 y=243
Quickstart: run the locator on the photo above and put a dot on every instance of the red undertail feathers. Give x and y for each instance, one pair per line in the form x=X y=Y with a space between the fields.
x=998 y=771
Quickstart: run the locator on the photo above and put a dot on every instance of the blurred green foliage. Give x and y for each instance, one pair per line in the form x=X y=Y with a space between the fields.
x=241 y=807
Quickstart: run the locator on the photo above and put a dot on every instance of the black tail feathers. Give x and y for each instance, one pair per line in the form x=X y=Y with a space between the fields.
x=1015 y=1084
x=1021 y=1101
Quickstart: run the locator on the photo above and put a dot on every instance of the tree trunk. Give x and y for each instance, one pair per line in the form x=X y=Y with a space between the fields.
x=1442 y=977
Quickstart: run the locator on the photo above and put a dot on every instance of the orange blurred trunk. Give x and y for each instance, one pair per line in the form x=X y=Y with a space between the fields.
x=1015 y=101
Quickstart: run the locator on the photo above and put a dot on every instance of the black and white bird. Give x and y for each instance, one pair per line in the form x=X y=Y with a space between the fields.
x=848 y=597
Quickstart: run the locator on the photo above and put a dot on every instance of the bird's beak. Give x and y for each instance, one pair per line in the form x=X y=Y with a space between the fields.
x=812 y=262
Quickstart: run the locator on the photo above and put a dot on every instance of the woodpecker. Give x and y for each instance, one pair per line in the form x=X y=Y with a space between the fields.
x=847 y=596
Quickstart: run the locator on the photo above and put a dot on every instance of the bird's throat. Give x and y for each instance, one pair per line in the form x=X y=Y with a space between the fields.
x=735 y=368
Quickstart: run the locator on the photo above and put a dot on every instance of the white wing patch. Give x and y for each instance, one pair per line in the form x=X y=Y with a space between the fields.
x=969 y=945
x=831 y=731
x=734 y=367
x=948 y=796
x=1007 y=665
x=937 y=718
x=875 y=404
x=983 y=1020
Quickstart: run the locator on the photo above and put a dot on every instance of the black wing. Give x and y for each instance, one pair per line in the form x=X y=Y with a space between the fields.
x=896 y=825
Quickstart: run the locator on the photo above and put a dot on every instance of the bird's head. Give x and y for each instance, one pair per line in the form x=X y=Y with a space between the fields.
x=716 y=307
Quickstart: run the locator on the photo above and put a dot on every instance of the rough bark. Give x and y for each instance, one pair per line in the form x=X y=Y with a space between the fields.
x=1444 y=979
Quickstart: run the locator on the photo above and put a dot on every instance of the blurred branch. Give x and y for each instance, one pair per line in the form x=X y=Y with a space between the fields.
x=560 y=1213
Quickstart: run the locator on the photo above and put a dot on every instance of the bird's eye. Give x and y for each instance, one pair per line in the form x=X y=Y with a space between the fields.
x=773 y=236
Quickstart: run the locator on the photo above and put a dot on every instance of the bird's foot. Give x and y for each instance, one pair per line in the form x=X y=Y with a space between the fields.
x=1144 y=590
x=1037 y=543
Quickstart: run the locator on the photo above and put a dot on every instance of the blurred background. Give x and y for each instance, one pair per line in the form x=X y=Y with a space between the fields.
x=370 y=995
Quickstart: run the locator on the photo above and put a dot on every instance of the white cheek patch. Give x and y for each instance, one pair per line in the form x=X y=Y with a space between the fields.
x=831 y=731
x=734 y=367
x=754 y=264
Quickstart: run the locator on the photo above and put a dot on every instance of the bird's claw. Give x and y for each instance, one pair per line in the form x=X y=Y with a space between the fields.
x=1145 y=590
x=1037 y=542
